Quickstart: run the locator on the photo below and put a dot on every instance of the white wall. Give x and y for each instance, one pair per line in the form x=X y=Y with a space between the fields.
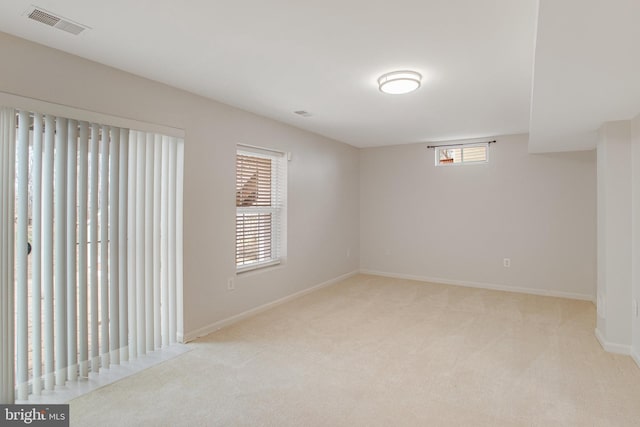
x=323 y=177
x=456 y=224
x=618 y=325
x=614 y=236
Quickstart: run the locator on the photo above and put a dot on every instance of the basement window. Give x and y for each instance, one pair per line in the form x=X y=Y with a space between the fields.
x=462 y=154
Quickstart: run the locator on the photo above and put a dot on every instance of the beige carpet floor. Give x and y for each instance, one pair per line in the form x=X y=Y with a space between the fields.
x=374 y=351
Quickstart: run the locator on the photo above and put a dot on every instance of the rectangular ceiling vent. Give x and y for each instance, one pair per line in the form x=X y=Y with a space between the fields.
x=52 y=20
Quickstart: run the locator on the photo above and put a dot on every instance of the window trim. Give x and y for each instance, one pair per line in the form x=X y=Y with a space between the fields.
x=279 y=212
x=461 y=147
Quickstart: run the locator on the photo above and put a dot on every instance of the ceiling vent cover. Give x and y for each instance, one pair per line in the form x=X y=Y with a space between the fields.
x=48 y=18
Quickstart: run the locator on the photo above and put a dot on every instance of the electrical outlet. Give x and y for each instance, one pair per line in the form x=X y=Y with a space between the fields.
x=231 y=284
x=635 y=308
x=506 y=262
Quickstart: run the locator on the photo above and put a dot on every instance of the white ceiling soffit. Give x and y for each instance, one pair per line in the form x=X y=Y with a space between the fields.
x=587 y=71
x=276 y=57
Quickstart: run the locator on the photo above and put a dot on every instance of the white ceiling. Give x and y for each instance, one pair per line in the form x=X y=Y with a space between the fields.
x=275 y=57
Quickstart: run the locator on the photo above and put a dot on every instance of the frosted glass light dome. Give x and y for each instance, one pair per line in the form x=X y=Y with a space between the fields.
x=399 y=82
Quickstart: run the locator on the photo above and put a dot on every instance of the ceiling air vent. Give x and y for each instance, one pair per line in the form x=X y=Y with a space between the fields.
x=48 y=18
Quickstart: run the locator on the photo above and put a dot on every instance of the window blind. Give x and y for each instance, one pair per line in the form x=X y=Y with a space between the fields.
x=260 y=208
x=461 y=154
x=7 y=236
x=98 y=206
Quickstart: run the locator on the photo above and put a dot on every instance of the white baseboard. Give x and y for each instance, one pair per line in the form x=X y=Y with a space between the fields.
x=490 y=286
x=612 y=347
x=206 y=330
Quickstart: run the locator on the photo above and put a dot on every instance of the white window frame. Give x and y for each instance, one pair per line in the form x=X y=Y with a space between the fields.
x=462 y=147
x=277 y=209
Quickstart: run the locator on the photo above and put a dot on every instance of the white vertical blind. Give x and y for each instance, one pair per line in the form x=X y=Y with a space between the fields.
x=164 y=242
x=93 y=245
x=122 y=240
x=157 y=197
x=36 y=289
x=72 y=239
x=60 y=239
x=132 y=290
x=114 y=243
x=179 y=260
x=22 y=228
x=83 y=241
x=140 y=241
x=47 y=249
x=173 y=154
x=106 y=230
x=104 y=246
x=148 y=243
x=7 y=204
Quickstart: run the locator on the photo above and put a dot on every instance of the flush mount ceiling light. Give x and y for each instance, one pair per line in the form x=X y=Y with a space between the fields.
x=399 y=82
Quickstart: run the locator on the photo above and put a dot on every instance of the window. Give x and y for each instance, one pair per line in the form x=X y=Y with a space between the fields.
x=462 y=154
x=260 y=208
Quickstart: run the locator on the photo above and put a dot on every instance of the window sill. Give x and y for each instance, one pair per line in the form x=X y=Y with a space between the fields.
x=256 y=268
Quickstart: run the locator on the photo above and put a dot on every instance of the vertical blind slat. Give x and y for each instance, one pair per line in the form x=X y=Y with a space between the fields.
x=36 y=253
x=131 y=248
x=179 y=244
x=148 y=244
x=93 y=246
x=104 y=246
x=5 y=333
x=114 y=244
x=172 y=239
x=72 y=284
x=83 y=318
x=140 y=242
x=22 y=172
x=47 y=250
x=123 y=253
x=7 y=198
x=157 y=195
x=60 y=237
x=164 y=242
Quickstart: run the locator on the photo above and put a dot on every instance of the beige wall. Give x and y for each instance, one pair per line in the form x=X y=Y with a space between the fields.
x=409 y=217
x=323 y=177
x=456 y=224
